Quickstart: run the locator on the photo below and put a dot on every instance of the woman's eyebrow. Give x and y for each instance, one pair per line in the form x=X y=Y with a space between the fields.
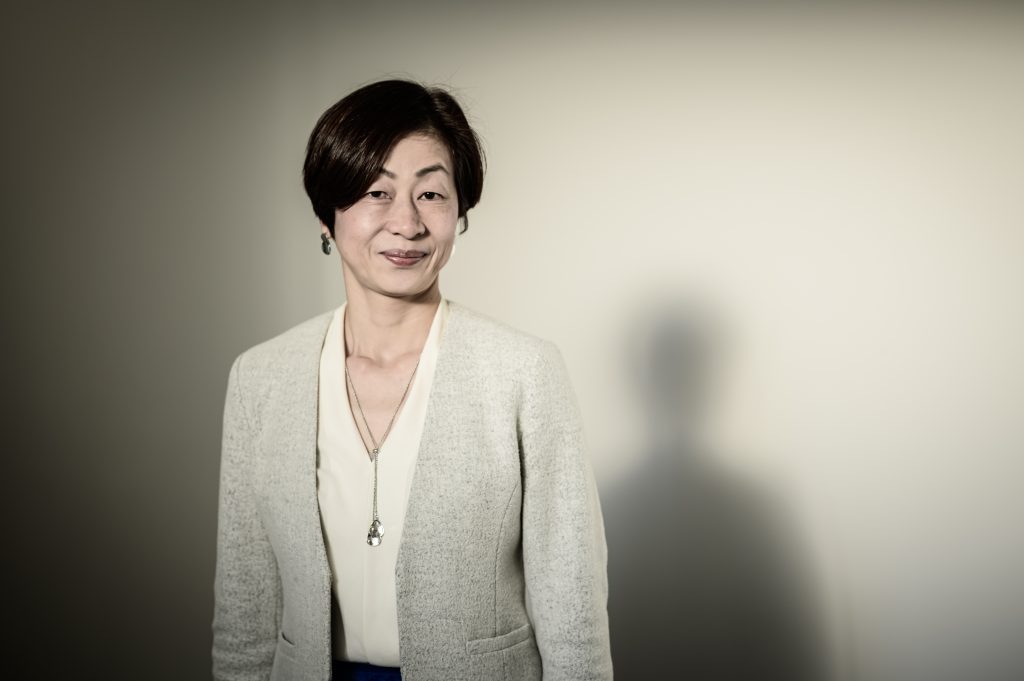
x=431 y=169
x=419 y=173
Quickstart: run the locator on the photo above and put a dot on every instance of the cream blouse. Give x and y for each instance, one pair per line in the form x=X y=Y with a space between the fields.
x=363 y=576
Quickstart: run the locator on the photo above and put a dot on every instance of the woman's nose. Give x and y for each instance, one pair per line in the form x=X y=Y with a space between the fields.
x=405 y=218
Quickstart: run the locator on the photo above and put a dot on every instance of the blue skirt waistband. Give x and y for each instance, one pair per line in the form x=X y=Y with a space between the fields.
x=361 y=671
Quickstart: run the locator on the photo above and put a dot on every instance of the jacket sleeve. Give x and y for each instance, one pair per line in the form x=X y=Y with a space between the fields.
x=564 y=551
x=247 y=589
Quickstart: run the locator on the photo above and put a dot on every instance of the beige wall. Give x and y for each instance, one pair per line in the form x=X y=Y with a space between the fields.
x=810 y=220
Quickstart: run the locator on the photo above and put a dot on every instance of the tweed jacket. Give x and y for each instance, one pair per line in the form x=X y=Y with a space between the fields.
x=501 y=570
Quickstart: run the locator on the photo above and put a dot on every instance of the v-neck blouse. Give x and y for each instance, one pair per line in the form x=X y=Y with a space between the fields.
x=363 y=576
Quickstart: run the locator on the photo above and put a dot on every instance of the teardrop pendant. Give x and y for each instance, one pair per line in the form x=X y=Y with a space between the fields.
x=376 y=533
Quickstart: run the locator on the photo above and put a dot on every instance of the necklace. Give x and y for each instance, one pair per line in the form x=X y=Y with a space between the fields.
x=376 y=533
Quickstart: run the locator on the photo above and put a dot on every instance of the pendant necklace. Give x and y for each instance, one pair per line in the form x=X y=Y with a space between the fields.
x=376 y=533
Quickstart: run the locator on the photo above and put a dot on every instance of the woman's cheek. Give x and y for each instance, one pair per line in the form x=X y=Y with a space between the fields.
x=443 y=254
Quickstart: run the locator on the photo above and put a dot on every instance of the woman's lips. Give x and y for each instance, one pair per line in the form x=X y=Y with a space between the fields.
x=404 y=258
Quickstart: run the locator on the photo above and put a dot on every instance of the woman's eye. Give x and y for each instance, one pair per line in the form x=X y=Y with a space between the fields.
x=377 y=194
x=431 y=196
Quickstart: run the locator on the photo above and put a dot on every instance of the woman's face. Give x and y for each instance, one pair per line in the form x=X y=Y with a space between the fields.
x=396 y=238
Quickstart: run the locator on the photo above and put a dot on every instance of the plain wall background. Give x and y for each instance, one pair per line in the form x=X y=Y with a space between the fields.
x=780 y=248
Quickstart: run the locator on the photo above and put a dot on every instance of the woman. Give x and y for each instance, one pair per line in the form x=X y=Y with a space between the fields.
x=335 y=560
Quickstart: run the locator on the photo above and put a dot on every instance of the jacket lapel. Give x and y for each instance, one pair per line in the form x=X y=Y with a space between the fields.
x=432 y=451
x=293 y=439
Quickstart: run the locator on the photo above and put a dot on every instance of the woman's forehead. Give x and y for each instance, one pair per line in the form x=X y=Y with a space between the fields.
x=416 y=152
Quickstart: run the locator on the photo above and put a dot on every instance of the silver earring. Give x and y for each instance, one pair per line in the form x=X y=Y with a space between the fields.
x=325 y=244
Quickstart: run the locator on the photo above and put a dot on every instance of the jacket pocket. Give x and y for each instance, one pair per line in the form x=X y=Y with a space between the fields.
x=496 y=643
x=285 y=647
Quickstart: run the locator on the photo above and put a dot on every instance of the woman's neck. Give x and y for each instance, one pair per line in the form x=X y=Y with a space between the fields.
x=382 y=329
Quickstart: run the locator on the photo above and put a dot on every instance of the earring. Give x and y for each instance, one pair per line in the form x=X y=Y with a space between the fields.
x=325 y=244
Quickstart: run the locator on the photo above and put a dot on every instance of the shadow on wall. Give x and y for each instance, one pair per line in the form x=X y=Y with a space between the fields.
x=705 y=581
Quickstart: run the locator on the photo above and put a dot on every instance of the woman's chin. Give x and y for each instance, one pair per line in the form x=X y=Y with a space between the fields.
x=393 y=285
x=407 y=290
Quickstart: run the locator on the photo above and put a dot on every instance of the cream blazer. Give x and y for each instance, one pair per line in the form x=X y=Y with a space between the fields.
x=501 y=570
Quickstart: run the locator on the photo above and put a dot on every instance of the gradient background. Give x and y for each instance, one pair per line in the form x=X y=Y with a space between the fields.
x=780 y=248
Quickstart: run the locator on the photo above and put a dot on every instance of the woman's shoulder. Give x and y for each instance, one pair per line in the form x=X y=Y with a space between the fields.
x=288 y=349
x=491 y=335
x=530 y=366
x=486 y=343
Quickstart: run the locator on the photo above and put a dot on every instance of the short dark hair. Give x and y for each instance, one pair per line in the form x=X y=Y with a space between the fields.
x=352 y=140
